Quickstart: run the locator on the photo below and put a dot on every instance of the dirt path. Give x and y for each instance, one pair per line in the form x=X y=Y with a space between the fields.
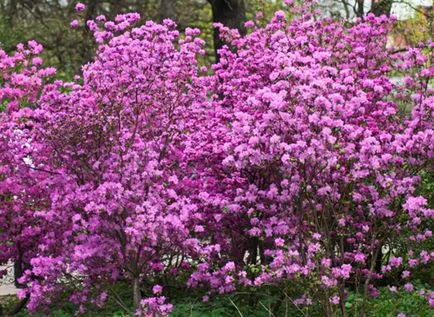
x=8 y=289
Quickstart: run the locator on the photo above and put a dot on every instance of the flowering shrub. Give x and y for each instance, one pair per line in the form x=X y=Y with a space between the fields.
x=22 y=187
x=115 y=142
x=296 y=161
x=314 y=165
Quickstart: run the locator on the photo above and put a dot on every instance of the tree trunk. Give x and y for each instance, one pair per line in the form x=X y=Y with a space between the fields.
x=91 y=9
x=382 y=7
x=360 y=8
x=231 y=13
x=168 y=10
x=137 y=296
x=379 y=260
x=11 y=14
x=18 y=267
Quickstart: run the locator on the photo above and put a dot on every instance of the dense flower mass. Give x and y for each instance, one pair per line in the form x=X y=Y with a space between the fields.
x=297 y=160
x=23 y=190
x=311 y=160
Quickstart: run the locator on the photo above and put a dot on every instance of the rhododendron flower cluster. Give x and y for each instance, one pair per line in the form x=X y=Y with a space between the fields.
x=22 y=76
x=296 y=161
x=23 y=189
x=116 y=143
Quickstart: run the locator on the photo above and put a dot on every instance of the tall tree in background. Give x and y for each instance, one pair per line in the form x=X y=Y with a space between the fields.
x=168 y=9
x=381 y=7
x=44 y=21
x=231 y=13
x=358 y=8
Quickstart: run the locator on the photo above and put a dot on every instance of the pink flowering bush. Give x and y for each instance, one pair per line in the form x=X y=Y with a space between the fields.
x=23 y=187
x=116 y=142
x=312 y=164
x=296 y=162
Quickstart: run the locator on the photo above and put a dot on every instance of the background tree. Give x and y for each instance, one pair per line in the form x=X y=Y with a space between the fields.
x=43 y=20
x=168 y=9
x=360 y=8
x=382 y=7
x=231 y=13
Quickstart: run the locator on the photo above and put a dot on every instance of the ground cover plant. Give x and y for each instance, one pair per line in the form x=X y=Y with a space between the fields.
x=296 y=167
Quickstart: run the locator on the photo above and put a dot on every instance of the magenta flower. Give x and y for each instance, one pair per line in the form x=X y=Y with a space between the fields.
x=334 y=300
x=74 y=24
x=409 y=287
x=157 y=289
x=80 y=7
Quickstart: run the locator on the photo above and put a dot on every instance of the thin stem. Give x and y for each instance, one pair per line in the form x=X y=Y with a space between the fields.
x=236 y=307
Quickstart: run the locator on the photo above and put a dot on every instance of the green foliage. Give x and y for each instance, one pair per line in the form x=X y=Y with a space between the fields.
x=10 y=33
x=412 y=31
x=66 y=49
x=267 y=7
x=263 y=302
x=389 y=304
x=3 y=105
x=427 y=185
